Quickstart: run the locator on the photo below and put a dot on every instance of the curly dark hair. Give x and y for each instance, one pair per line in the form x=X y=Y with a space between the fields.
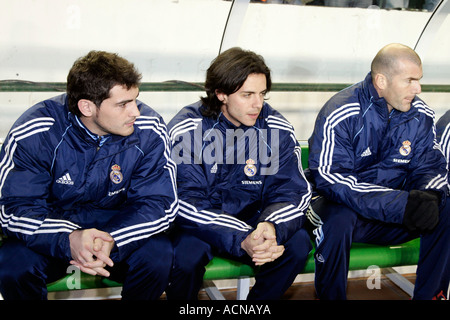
x=227 y=73
x=94 y=75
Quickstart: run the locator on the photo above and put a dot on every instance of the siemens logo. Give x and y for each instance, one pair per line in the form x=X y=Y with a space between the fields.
x=112 y=193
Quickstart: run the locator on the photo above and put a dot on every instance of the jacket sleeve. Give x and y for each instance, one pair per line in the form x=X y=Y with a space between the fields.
x=332 y=163
x=287 y=193
x=152 y=201
x=428 y=167
x=196 y=214
x=24 y=189
x=443 y=136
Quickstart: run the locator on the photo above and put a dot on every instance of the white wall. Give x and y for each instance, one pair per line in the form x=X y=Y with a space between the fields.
x=165 y=38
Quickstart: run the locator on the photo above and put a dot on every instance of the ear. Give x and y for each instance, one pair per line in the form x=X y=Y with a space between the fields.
x=381 y=81
x=86 y=107
x=221 y=96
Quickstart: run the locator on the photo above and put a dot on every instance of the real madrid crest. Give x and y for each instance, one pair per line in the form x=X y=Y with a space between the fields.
x=250 y=168
x=405 y=149
x=115 y=175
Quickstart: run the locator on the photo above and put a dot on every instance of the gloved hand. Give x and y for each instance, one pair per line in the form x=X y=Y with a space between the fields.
x=422 y=211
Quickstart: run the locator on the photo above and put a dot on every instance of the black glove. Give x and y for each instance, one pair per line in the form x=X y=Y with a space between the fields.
x=422 y=211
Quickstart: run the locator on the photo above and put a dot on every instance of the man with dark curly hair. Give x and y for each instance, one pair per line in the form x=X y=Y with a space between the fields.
x=86 y=178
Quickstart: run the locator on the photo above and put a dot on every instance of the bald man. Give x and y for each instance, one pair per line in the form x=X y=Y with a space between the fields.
x=380 y=176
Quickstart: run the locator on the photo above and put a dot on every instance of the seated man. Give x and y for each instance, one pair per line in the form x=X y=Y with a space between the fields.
x=241 y=187
x=380 y=174
x=86 y=178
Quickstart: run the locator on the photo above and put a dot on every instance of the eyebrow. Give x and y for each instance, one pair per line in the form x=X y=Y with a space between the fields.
x=264 y=91
x=415 y=78
x=126 y=101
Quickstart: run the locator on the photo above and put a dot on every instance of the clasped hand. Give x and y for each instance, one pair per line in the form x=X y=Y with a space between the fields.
x=261 y=245
x=90 y=249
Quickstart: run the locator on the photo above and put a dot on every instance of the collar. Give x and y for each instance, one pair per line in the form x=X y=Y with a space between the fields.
x=373 y=92
x=99 y=140
x=374 y=100
x=380 y=103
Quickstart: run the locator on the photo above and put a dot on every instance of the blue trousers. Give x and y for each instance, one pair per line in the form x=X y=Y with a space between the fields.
x=24 y=273
x=191 y=255
x=340 y=226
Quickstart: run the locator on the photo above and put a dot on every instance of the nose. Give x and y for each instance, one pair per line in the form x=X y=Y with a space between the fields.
x=258 y=101
x=134 y=110
x=417 y=87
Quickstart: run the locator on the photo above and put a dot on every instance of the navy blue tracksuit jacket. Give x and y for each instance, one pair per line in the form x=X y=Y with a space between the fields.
x=230 y=179
x=368 y=159
x=55 y=178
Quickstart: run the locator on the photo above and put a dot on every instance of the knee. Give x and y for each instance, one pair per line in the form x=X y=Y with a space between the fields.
x=340 y=220
x=155 y=257
x=18 y=262
x=336 y=223
x=186 y=260
x=340 y=226
x=22 y=273
x=16 y=279
x=11 y=273
x=299 y=245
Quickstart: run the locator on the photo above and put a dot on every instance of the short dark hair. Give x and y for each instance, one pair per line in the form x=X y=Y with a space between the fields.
x=227 y=73
x=94 y=75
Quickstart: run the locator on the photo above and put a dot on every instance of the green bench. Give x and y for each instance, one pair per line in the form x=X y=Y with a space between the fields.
x=362 y=256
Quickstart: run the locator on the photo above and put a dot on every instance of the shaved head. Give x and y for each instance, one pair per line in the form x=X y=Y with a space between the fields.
x=396 y=73
x=386 y=60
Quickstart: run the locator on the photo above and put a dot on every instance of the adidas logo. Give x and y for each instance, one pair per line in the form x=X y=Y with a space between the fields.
x=214 y=168
x=366 y=153
x=65 y=179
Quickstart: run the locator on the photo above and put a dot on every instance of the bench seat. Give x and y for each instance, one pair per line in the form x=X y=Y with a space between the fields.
x=362 y=256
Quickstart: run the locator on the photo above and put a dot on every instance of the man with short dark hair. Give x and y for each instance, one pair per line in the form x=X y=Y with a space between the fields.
x=240 y=182
x=86 y=178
